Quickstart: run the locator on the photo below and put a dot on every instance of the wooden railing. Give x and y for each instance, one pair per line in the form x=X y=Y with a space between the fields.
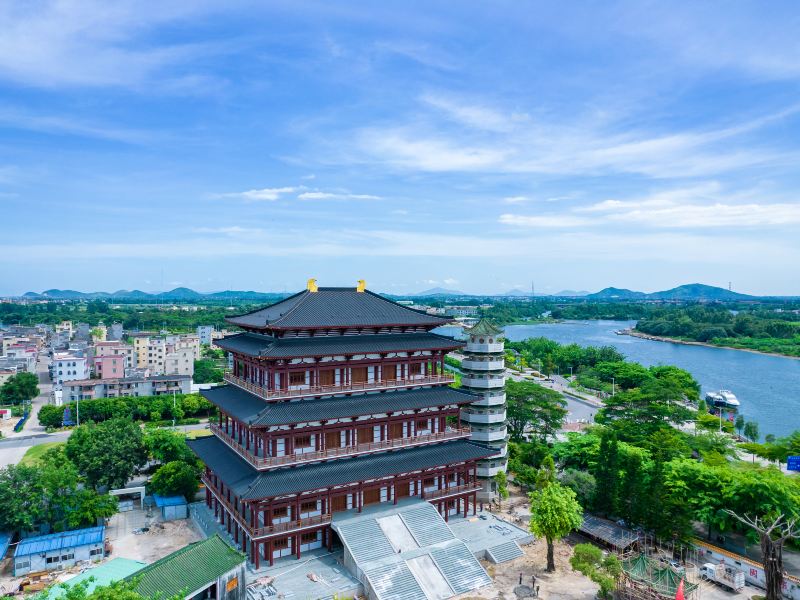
x=321 y=390
x=452 y=491
x=268 y=462
x=268 y=530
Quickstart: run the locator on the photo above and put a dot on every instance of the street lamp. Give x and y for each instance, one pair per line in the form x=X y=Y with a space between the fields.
x=613 y=387
x=173 y=409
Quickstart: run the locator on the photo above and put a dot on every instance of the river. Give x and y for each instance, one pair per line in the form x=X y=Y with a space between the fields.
x=768 y=387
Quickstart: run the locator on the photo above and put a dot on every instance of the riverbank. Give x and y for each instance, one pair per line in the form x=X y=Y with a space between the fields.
x=658 y=338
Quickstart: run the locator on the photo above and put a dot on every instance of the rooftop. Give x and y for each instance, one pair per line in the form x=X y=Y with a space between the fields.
x=189 y=569
x=483 y=327
x=248 y=483
x=252 y=410
x=126 y=380
x=265 y=346
x=57 y=541
x=334 y=307
x=102 y=575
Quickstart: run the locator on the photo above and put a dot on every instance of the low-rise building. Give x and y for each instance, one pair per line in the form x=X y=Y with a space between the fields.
x=68 y=367
x=116 y=332
x=461 y=311
x=111 y=366
x=89 y=389
x=204 y=332
x=58 y=551
x=206 y=569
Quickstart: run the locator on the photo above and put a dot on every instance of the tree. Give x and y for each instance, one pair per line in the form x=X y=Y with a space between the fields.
x=588 y=559
x=19 y=388
x=502 y=485
x=580 y=482
x=206 y=371
x=118 y=590
x=554 y=513
x=739 y=423
x=175 y=478
x=606 y=474
x=772 y=535
x=166 y=446
x=22 y=498
x=107 y=454
x=751 y=431
x=535 y=408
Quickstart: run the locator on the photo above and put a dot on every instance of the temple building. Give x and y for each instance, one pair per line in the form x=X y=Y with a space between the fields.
x=338 y=399
x=483 y=374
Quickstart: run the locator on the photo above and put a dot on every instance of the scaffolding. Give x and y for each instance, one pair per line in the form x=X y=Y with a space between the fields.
x=646 y=578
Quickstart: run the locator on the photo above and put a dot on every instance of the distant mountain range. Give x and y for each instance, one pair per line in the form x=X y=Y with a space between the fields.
x=180 y=293
x=689 y=292
x=518 y=293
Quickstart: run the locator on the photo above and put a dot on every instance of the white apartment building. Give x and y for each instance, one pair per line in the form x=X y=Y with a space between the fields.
x=69 y=367
x=204 y=332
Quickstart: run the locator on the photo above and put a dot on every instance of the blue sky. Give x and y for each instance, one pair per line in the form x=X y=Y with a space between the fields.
x=474 y=146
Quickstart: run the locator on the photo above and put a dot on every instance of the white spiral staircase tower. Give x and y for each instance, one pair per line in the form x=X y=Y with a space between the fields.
x=483 y=374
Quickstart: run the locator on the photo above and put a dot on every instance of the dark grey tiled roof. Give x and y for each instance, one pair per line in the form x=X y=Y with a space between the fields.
x=234 y=471
x=334 y=307
x=251 y=410
x=254 y=344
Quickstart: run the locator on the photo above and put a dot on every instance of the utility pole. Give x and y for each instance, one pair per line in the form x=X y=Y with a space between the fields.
x=613 y=387
x=173 y=409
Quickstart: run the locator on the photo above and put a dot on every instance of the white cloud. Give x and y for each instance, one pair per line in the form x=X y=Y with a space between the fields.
x=543 y=220
x=233 y=230
x=263 y=194
x=335 y=196
x=450 y=281
x=515 y=199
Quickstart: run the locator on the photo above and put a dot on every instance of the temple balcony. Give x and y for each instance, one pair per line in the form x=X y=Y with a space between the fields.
x=484 y=417
x=266 y=531
x=455 y=490
x=271 y=462
x=325 y=390
x=493 y=364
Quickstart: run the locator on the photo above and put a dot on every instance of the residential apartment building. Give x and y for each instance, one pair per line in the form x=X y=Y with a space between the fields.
x=68 y=367
x=89 y=389
x=204 y=332
x=110 y=366
x=167 y=355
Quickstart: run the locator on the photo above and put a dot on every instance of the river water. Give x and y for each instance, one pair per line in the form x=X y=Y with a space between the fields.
x=768 y=387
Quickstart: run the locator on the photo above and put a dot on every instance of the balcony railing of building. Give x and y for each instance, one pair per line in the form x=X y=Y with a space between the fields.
x=267 y=530
x=321 y=390
x=270 y=462
x=452 y=491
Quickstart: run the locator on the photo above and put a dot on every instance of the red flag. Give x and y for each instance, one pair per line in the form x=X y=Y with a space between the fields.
x=679 y=594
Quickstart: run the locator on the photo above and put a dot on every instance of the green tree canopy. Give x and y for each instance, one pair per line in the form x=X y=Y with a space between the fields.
x=107 y=454
x=554 y=513
x=533 y=408
x=19 y=388
x=175 y=478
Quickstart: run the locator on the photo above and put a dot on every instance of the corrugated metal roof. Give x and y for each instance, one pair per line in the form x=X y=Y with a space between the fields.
x=162 y=501
x=57 y=541
x=188 y=569
x=460 y=567
x=250 y=484
x=334 y=307
x=365 y=540
x=105 y=574
x=394 y=582
x=252 y=410
x=264 y=346
x=426 y=525
x=5 y=540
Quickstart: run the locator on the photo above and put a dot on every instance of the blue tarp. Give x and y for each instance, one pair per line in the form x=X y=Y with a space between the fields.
x=162 y=501
x=57 y=541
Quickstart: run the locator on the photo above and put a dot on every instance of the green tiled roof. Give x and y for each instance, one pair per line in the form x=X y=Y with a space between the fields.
x=484 y=327
x=188 y=569
x=102 y=575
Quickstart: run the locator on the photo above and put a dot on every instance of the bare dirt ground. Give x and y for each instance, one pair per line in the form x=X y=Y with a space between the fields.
x=564 y=583
x=162 y=537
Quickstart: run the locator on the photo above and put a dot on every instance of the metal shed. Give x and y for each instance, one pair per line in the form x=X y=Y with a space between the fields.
x=59 y=550
x=172 y=507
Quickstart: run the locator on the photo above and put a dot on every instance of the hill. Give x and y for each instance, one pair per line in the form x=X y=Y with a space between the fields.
x=437 y=291
x=612 y=293
x=698 y=291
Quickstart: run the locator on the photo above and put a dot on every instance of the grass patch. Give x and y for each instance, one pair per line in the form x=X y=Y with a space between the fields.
x=34 y=453
x=196 y=433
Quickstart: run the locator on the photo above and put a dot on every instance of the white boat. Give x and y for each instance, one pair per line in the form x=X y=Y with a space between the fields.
x=722 y=399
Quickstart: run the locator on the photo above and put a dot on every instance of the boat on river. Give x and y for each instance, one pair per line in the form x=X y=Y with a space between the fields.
x=722 y=399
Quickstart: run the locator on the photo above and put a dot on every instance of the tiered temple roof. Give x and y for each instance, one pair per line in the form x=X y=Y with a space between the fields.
x=336 y=308
x=253 y=411
x=265 y=346
x=249 y=484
